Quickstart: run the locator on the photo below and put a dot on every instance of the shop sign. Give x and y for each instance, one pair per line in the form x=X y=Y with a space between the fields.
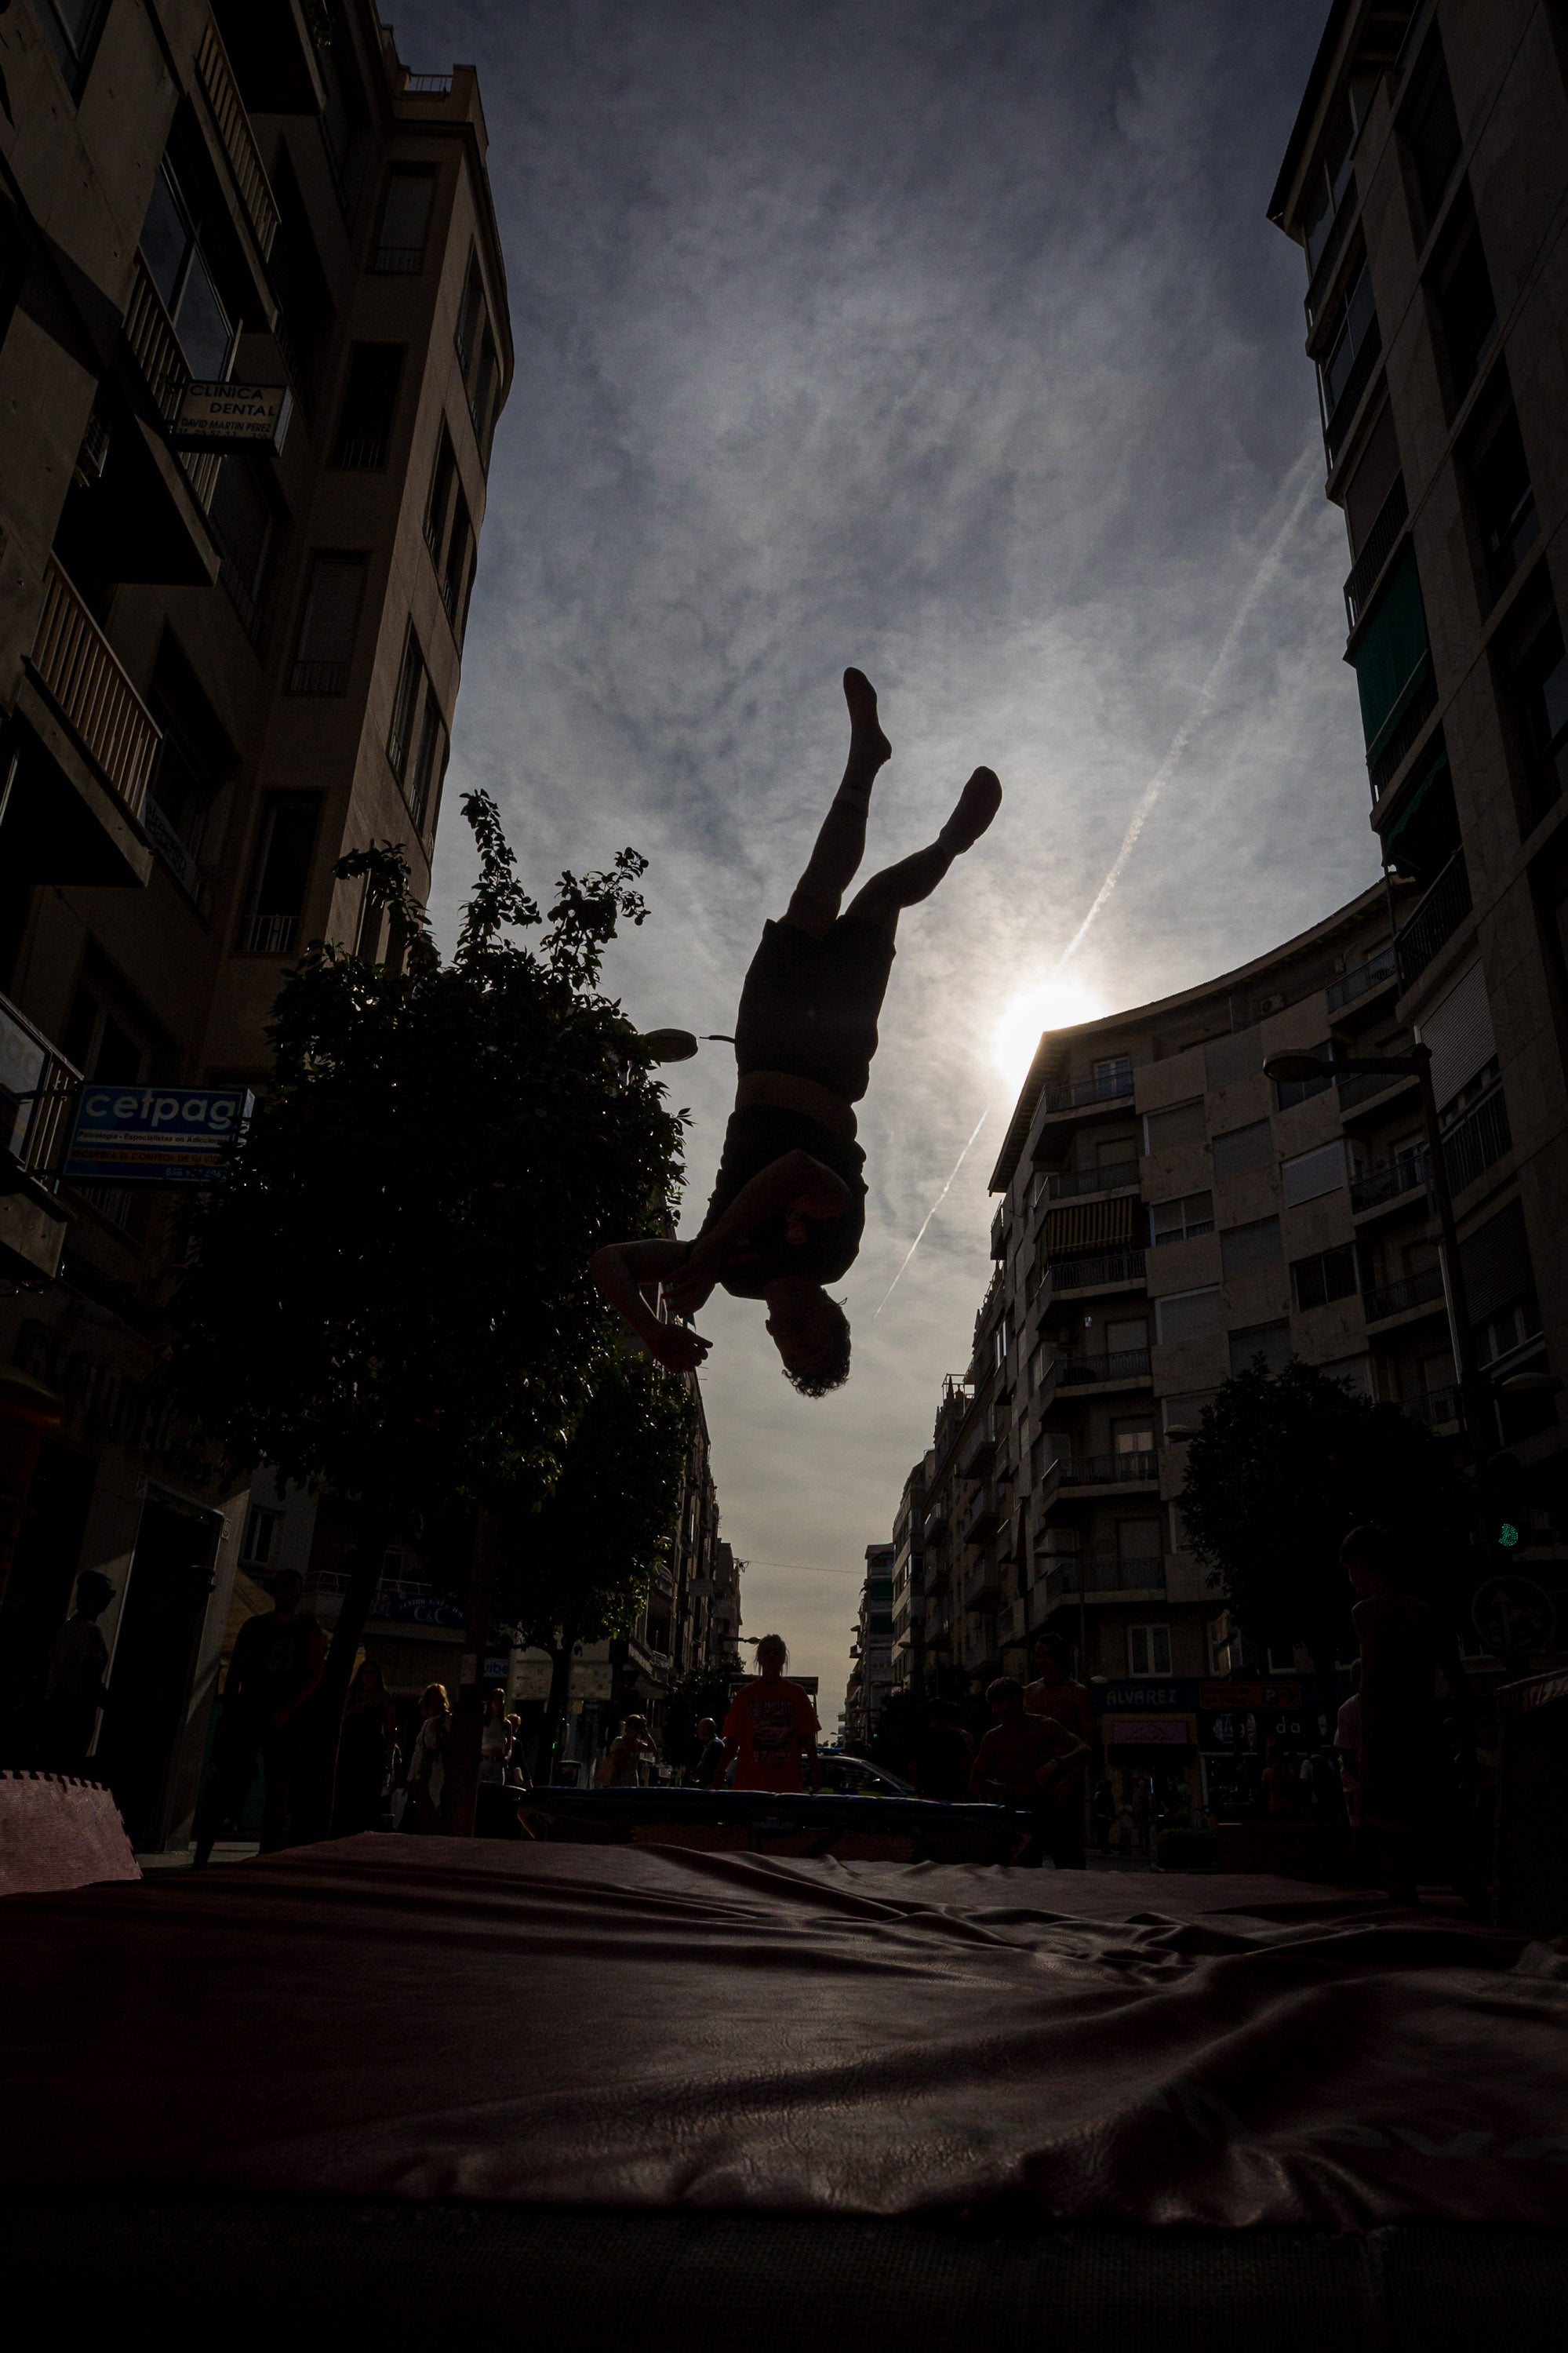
x=154 y=1135
x=1147 y=1732
x=1146 y=1693
x=1249 y=1694
x=232 y=416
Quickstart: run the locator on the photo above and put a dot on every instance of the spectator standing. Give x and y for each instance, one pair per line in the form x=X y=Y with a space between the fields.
x=771 y=1729
x=494 y=1739
x=427 y=1764
x=712 y=1757
x=626 y=1762
x=76 y=1689
x=366 y=1752
x=1031 y=1761
x=276 y=1665
x=1281 y=1784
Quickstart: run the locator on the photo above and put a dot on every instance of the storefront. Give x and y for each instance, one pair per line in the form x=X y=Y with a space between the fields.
x=1189 y=1748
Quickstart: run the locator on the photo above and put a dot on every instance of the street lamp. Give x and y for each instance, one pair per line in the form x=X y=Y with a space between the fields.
x=1476 y=1391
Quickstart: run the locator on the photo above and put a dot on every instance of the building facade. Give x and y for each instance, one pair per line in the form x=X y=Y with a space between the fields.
x=870 y=1655
x=1426 y=180
x=224 y=662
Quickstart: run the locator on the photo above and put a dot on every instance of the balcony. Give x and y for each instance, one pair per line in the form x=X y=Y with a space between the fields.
x=1439 y=1410
x=80 y=673
x=1477 y=1141
x=983 y=1514
x=1120 y=1365
x=155 y=348
x=232 y=125
x=1388 y=1299
x=1069 y=1184
x=1363 y=1087
x=1434 y=921
x=1135 y=1469
x=274 y=54
x=979 y=1448
x=1395 y=739
x=1082 y=1094
x=1376 y=551
x=1339 y=424
x=38 y=1099
x=1104 y=1272
x=936 y=1526
x=1098 y=1574
x=981 y=1584
x=1364 y=979
x=1392 y=1182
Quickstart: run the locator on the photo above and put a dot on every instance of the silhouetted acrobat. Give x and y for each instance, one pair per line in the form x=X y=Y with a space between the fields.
x=788 y=1206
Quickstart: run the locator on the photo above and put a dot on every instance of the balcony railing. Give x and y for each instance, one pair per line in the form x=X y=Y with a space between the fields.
x=1435 y=920
x=1375 y=551
x=1364 y=978
x=37 y=1094
x=233 y=127
x=1397 y=1298
x=1068 y=1183
x=1130 y=1470
x=418 y=85
x=1071 y=1094
x=155 y=348
x=1333 y=245
x=1362 y=1086
x=1096 y=1572
x=1120 y=1365
x=1389 y=1181
x=74 y=661
x=1441 y=1409
x=1355 y=383
x=1391 y=745
x=1477 y=1141
x=1096 y=1273
x=983 y=1514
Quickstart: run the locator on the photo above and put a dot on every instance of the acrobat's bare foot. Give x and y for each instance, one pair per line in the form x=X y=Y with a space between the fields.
x=869 y=747
x=978 y=805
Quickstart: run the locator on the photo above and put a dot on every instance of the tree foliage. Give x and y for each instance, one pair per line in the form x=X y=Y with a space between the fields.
x=389 y=1294
x=1283 y=1466
x=701 y=1691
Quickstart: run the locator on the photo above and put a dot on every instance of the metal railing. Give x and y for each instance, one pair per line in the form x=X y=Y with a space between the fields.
x=983 y=1513
x=1324 y=268
x=75 y=663
x=1475 y=1143
x=1071 y=1095
x=232 y=125
x=1361 y=366
x=1375 y=551
x=418 y=85
x=1092 y=1273
x=155 y=348
x=398 y=262
x=1068 y=1183
x=1439 y=1410
x=38 y=1095
x=1395 y=739
x=1132 y=1470
x=1394 y=1177
x=1397 y=1298
x=1435 y=920
x=1363 y=978
x=1096 y=1572
x=1120 y=1365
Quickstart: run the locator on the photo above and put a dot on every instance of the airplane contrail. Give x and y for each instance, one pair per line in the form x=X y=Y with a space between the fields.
x=932 y=1211
x=1305 y=465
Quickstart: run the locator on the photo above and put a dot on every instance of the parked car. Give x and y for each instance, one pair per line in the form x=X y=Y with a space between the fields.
x=854 y=1777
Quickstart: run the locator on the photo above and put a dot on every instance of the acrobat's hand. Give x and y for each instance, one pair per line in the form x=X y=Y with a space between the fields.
x=677 y=1348
x=688 y=1291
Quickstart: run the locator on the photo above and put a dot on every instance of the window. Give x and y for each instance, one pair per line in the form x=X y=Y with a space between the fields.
x=1149 y=1650
x=1242 y=1149
x=1183 y=1414
x=1113 y=1076
x=263 y=1529
x=242 y=520
x=369 y=405
x=400 y=233
x=1188 y=1315
x=1350 y=350
x=1502 y=494
x=457 y=571
x=1310 y=1174
x=281 y=874
x=103 y=1048
x=329 y=625
x=70 y=28
x=1467 y=313
x=194 y=760
x=1245 y=1248
x=345 y=119
x=1269 y=1341
x=437 y=507
x=429 y=766
x=1180 y=1220
x=1330 y=185
x=1367 y=491
x=1139 y=1540
x=1432 y=135
x=1540 y=696
x=478 y=357
x=1180 y=1129
x=406 y=705
x=171 y=247
x=1390 y=655
x=1133 y=1435
x=304 y=297
x=1127 y=1335
x=1331 y=1274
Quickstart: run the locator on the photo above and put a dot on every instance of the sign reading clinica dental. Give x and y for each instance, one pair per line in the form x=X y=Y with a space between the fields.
x=225 y=415
x=153 y=1136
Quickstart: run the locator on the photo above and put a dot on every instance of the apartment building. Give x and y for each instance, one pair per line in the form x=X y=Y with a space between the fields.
x=1427 y=181
x=908 y=1655
x=870 y=1655
x=253 y=344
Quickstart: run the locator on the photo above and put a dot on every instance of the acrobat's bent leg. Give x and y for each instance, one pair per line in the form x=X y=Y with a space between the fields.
x=840 y=844
x=914 y=879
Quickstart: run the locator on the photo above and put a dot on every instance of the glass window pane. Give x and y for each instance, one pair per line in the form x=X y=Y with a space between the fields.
x=165 y=241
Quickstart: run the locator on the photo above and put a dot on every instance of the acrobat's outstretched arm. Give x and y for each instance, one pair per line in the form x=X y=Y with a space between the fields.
x=619 y=1270
x=796 y=1184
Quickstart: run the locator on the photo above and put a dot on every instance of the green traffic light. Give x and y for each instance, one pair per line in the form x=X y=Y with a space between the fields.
x=1507 y=1536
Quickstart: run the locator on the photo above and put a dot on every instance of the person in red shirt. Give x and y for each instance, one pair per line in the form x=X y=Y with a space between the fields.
x=771 y=1728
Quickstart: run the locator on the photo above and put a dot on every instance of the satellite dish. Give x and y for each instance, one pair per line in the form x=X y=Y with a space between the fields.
x=667 y=1045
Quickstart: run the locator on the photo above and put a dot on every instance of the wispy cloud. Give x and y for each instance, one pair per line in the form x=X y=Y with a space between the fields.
x=949 y=338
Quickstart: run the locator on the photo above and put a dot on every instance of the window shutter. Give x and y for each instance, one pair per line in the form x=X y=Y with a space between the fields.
x=1459 y=1031
x=1495 y=1259
x=1176 y=1129
x=1244 y=1249
x=1312 y=1173
x=1243 y=1148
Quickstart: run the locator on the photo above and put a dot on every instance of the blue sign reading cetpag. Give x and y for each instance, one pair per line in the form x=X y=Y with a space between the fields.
x=153 y=1136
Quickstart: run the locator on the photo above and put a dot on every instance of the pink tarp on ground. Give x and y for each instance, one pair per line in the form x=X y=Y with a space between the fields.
x=59 y=1833
x=427 y=2019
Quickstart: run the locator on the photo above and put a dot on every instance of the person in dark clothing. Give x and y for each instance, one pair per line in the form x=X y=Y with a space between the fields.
x=1030 y=1761
x=366 y=1749
x=276 y=1665
x=788 y=1206
x=714 y=1757
x=944 y=1755
x=76 y=1689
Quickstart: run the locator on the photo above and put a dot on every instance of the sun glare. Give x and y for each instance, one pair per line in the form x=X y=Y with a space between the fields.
x=1054 y=1004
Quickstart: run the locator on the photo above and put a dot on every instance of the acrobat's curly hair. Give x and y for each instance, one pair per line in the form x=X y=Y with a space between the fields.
x=836 y=1372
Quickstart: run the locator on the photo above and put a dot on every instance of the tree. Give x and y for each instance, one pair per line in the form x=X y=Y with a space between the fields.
x=577 y=1568
x=701 y=1691
x=1283 y=1466
x=388 y=1296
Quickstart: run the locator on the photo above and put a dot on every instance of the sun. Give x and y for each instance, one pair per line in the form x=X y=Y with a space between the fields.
x=1054 y=1004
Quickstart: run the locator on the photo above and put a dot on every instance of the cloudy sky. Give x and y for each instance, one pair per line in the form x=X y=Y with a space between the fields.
x=947 y=337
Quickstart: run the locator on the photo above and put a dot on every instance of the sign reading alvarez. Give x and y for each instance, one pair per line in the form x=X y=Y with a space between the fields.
x=153 y=1136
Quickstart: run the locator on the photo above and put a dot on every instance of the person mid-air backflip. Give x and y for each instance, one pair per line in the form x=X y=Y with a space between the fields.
x=788 y=1206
